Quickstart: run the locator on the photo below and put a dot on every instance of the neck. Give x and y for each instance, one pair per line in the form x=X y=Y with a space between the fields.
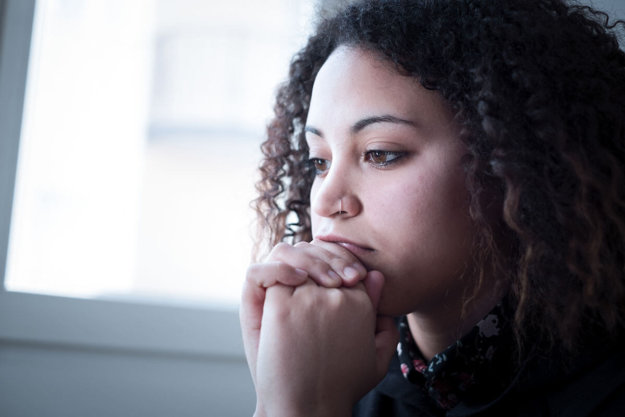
x=435 y=331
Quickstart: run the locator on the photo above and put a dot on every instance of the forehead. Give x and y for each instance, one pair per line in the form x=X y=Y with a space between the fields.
x=355 y=83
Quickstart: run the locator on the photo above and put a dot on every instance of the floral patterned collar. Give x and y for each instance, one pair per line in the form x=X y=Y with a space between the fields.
x=474 y=362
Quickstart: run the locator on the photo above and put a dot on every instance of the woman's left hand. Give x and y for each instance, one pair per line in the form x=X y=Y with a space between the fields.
x=321 y=349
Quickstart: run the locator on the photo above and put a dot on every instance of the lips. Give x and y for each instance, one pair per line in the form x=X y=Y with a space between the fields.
x=358 y=249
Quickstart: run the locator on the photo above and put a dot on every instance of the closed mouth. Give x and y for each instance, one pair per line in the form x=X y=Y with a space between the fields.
x=355 y=248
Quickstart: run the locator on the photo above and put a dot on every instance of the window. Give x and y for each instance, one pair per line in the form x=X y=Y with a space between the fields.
x=127 y=142
x=141 y=127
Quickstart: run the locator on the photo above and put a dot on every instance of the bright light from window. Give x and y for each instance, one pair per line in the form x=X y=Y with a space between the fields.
x=139 y=146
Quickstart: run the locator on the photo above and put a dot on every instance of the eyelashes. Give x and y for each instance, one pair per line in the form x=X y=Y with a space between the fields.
x=382 y=158
x=318 y=165
x=376 y=158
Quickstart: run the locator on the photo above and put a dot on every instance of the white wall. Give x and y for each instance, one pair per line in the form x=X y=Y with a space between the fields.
x=72 y=357
x=39 y=380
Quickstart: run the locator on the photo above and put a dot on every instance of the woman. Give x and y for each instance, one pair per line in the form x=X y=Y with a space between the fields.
x=450 y=173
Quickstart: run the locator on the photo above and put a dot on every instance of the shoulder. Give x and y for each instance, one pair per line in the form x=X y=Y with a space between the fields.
x=596 y=389
x=592 y=386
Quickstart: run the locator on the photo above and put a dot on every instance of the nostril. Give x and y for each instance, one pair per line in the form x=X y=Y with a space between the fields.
x=341 y=211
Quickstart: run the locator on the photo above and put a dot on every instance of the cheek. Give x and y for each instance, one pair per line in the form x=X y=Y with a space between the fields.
x=314 y=217
x=428 y=236
x=407 y=206
x=436 y=213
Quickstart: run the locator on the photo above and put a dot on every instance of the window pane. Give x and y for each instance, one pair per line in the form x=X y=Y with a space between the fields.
x=139 y=145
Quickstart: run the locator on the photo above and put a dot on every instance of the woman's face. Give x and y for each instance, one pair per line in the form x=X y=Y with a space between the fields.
x=390 y=186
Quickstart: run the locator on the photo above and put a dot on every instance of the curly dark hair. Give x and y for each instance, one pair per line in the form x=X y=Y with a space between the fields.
x=538 y=87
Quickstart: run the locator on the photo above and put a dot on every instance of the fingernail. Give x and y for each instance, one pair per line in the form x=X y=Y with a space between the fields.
x=334 y=276
x=350 y=272
x=301 y=272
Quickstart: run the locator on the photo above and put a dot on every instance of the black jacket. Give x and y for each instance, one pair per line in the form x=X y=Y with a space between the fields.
x=593 y=385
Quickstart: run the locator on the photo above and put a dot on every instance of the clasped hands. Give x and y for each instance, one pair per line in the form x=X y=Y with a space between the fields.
x=313 y=339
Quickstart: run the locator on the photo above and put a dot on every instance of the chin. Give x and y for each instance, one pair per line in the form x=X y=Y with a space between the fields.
x=389 y=307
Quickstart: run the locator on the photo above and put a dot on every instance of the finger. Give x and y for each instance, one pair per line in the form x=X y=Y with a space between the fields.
x=349 y=266
x=311 y=260
x=258 y=278
x=343 y=262
x=386 y=339
x=277 y=297
x=275 y=272
x=329 y=266
x=373 y=284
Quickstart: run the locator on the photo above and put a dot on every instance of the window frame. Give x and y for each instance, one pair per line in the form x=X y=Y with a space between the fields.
x=86 y=323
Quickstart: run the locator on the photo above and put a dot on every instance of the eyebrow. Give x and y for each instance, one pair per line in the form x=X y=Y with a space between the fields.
x=361 y=124
x=313 y=130
x=387 y=118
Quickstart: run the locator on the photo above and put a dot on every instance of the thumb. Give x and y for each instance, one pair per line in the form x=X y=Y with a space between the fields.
x=386 y=338
x=250 y=317
x=386 y=333
x=374 y=281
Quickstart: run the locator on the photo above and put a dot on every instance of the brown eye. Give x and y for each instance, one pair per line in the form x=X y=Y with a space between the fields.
x=378 y=157
x=320 y=165
x=382 y=158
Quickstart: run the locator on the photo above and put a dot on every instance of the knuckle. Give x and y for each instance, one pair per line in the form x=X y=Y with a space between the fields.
x=282 y=246
x=252 y=271
x=257 y=273
x=319 y=265
x=335 y=296
x=339 y=261
x=316 y=241
x=275 y=311
x=267 y=272
x=279 y=250
x=282 y=268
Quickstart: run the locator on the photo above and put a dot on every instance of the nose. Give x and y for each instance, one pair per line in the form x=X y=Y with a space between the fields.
x=335 y=194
